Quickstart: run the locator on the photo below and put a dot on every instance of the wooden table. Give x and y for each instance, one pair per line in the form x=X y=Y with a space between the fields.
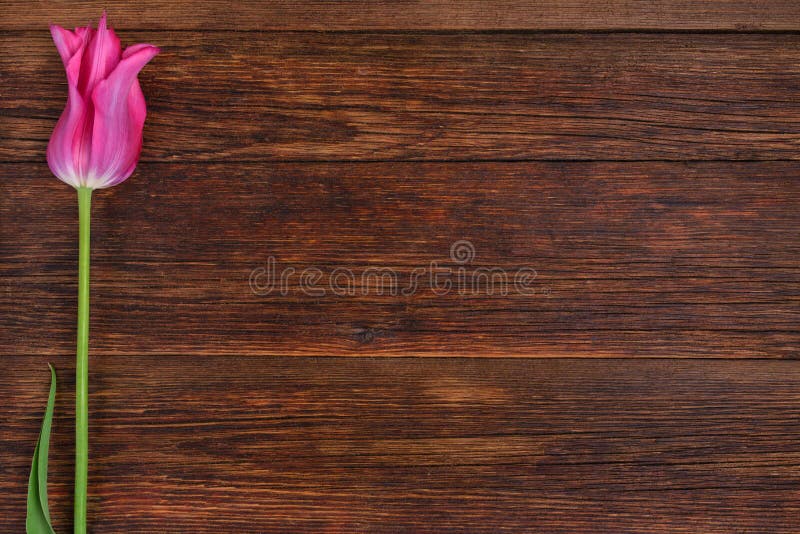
x=637 y=161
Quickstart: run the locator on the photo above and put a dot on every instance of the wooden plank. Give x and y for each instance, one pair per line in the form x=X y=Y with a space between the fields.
x=631 y=259
x=326 y=15
x=317 y=96
x=208 y=444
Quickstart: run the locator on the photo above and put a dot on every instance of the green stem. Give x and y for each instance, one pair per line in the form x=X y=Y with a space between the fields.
x=82 y=363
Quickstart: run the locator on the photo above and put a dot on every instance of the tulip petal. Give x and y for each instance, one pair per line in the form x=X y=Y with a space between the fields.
x=119 y=113
x=63 y=152
x=66 y=42
x=133 y=49
x=68 y=150
x=100 y=58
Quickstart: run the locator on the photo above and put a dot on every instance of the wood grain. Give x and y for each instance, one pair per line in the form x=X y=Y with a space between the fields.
x=274 y=96
x=647 y=259
x=224 y=444
x=641 y=157
x=327 y=15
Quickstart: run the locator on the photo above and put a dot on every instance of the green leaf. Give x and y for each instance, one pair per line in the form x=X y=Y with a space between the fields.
x=38 y=521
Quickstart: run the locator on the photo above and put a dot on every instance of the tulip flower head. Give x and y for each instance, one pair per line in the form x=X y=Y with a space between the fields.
x=98 y=139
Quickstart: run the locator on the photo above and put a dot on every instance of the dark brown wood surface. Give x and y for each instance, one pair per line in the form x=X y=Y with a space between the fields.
x=631 y=259
x=327 y=15
x=287 y=444
x=640 y=157
x=227 y=96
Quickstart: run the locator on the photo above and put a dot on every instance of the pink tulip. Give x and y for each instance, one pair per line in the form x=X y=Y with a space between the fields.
x=98 y=139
